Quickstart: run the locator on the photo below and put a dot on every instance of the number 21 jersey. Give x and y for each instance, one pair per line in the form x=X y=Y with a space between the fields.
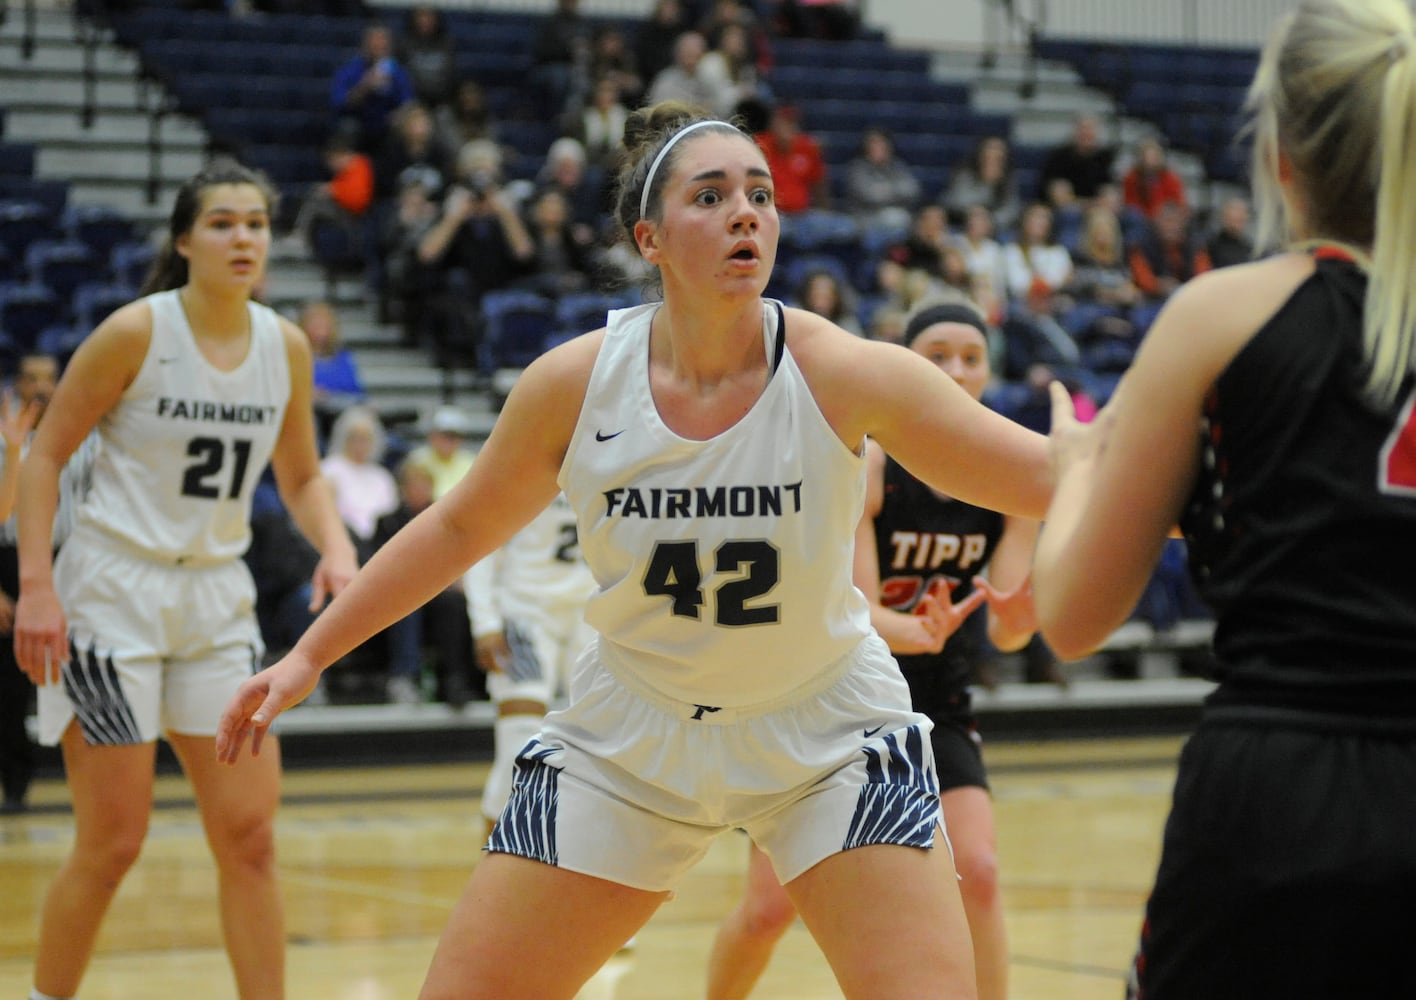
x=182 y=450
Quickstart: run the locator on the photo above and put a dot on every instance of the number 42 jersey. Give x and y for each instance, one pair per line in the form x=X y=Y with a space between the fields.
x=181 y=452
x=724 y=565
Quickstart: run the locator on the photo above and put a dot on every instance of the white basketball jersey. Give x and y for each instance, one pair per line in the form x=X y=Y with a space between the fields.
x=182 y=450
x=724 y=565
x=539 y=574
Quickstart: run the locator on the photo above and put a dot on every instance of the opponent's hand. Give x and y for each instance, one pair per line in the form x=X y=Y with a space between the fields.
x=259 y=700
x=1013 y=609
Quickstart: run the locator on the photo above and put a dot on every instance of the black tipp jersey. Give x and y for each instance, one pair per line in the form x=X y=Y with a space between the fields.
x=925 y=543
x=1302 y=526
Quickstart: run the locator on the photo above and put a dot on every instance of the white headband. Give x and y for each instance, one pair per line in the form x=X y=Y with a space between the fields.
x=654 y=167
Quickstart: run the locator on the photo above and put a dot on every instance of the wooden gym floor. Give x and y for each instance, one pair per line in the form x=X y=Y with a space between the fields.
x=373 y=858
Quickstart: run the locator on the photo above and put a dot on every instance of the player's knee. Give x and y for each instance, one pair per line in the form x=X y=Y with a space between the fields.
x=768 y=915
x=246 y=846
x=110 y=860
x=978 y=874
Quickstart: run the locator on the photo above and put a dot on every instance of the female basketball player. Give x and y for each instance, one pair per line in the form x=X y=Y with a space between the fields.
x=1270 y=412
x=527 y=604
x=145 y=624
x=712 y=448
x=917 y=558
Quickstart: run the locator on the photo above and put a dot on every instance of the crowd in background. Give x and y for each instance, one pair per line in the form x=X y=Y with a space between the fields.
x=430 y=206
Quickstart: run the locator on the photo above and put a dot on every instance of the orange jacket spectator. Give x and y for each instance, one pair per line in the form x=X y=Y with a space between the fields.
x=1150 y=183
x=1168 y=256
x=352 y=186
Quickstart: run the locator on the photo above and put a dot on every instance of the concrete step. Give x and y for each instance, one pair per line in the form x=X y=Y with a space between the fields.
x=67 y=56
x=62 y=125
x=51 y=24
x=25 y=88
x=114 y=164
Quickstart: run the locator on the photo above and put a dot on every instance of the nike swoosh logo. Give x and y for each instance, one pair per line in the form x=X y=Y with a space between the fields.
x=602 y=436
x=871 y=732
x=168 y=361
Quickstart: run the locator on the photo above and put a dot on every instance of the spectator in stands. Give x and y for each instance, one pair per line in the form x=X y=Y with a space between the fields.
x=888 y=323
x=1078 y=168
x=983 y=256
x=334 y=215
x=478 y=244
x=467 y=117
x=881 y=190
x=426 y=50
x=922 y=248
x=987 y=179
x=368 y=88
x=731 y=71
x=823 y=293
x=364 y=489
x=406 y=283
x=834 y=20
x=1102 y=272
x=563 y=263
x=794 y=157
x=1231 y=243
x=654 y=41
x=567 y=171
x=600 y=125
x=441 y=623
x=445 y=453
x=1038 y=268
x=1150 y=183
x=612 y=59
x=336 y=374
x=722 y=14
x=683 y=79
x=412 y=140
x=1102 y=293
x=561 y=59
x=1169 y=255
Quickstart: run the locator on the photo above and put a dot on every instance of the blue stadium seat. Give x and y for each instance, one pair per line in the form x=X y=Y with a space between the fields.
x=98 y=227
x=128 y=263
x=62 y=265
x=584 y=311
x=516 y=325
x=27 y=309
x=94 y=302
x=23 y=223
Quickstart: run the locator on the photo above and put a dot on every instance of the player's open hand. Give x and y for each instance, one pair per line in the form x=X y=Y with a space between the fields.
x=1014 y=608
x=259 y=700
x=493 y=654
x=16 y=422
x=332 y=574
x=41 y=634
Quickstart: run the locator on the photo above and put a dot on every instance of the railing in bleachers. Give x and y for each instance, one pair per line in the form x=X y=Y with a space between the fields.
x=1220 y=23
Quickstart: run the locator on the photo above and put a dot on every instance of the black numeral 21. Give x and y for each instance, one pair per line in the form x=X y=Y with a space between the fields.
x=203 y=477
x=673 y=572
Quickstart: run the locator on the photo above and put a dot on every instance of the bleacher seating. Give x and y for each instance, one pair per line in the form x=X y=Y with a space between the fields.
x=1193 y=94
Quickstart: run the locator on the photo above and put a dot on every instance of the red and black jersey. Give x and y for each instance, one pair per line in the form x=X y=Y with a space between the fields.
x=927 y=542
x=1302 y=525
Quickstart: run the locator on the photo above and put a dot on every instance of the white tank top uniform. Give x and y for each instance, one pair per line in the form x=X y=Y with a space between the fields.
x=160 y=605
x=736 y=680
x=533 y=590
